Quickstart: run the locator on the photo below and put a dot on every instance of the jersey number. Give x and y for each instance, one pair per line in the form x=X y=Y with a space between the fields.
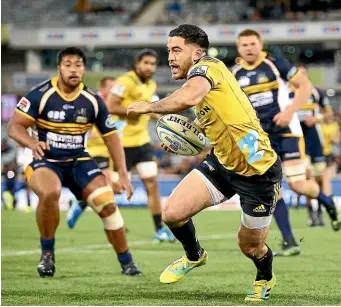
x=250 y=141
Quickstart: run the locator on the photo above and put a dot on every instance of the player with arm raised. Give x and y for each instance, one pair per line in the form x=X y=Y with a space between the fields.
x=63 y=111
x=264 y=80
x=137 y=84
x=241 y=162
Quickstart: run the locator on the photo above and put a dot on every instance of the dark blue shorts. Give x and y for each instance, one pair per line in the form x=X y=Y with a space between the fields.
x=74 y=175
x=313 y=143
x=288 y=147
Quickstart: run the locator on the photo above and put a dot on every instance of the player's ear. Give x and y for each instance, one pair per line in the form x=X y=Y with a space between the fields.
x=197 y=53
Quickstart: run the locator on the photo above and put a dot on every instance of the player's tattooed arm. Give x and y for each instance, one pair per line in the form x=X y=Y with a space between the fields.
x=193 y=91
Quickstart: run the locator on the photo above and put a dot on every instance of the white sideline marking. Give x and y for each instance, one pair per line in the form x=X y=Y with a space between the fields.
x=89 y=248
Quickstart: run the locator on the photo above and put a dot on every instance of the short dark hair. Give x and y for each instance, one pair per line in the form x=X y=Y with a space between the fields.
x=249 y=32
x=139 y=55
x=70 y=51
x=192 y=34
x=104 y=80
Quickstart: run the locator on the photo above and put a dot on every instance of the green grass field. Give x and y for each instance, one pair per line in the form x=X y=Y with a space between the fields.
x=88 y=273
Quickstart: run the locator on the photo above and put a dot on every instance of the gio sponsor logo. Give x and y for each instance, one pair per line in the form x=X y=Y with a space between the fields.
x=259 y=209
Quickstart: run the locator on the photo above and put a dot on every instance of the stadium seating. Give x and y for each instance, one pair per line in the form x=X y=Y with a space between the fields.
x=57 y=13
x=220 y=12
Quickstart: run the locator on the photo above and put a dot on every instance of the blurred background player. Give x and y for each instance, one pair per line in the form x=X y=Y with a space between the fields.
x=137 y=85
x=310 y=116
x=98 y=150
x=331 y=149
x=24 y=158
x=63 y=110
x=263 y=79
x=8 y=173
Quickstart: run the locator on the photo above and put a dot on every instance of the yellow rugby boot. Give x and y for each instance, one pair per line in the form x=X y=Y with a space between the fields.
x=260 y=290
x=179 y=268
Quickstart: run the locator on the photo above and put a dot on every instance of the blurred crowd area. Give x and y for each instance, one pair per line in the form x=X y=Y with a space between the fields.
x=214 y=12
x=87 y=13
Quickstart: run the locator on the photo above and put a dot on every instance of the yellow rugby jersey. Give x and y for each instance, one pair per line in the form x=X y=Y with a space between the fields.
x=328 y=131
x=96 y=146
x=133 y=131
x=230 y=122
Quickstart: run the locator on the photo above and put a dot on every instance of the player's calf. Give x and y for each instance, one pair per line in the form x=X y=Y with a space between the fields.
x=251 y=239
x=102 y=202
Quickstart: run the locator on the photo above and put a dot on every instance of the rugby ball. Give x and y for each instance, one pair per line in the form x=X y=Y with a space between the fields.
x=180 y=135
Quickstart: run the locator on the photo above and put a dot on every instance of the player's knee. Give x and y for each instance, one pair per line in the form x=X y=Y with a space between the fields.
x=250 y=249
x=102 y=202
x=50 y=194
x=101 y=198
x=170 y=217
x=107 y=210
x=318 y=169
x=151 y=185
x=295 y=174
x=298 y=186
x=114 y=220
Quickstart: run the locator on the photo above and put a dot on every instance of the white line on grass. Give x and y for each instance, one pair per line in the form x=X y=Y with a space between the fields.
x=88 y=248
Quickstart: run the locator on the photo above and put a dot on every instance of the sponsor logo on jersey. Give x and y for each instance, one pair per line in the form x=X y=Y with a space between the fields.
x=244 y=81
x=64 y=141
x=118 y=89
x=44 y=88
x=203 y=111
x=110 y=123
x=24 y=104
x=68 y=107
x=251 y=73
x=198 y=71
x=259 y=209
x=56 y=115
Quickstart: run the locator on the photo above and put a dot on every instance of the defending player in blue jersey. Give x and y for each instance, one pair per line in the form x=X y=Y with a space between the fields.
x=62 y=111
x=264 y=80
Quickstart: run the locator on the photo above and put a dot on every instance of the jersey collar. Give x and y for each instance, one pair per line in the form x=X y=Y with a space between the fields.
x=54 y=81
x=262 y=56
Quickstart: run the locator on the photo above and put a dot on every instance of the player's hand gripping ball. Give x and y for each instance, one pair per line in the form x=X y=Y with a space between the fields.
x=180 y=135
